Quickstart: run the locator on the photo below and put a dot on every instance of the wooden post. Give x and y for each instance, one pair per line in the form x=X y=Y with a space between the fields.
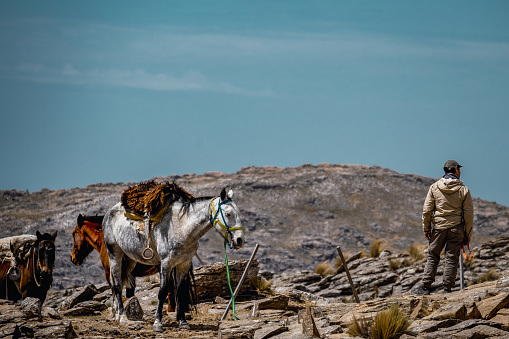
x=348 y=275
x=240 y=282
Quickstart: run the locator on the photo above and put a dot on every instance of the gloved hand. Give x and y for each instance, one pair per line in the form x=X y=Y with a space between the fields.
x=427 y=235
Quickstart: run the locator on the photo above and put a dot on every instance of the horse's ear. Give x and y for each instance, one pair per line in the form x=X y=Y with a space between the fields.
x=38 y=234
x=223 y=194
x=54 y=235
x=80 y=220
x=230 y=194
x=11 y=247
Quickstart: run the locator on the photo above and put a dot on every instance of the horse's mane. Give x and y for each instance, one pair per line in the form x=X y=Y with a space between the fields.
x=96 y=219
x=44 y=237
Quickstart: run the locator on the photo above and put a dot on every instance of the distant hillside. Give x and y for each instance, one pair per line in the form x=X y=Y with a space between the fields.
x=297 y=215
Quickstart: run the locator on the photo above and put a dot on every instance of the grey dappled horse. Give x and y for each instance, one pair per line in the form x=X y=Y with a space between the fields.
x=174 y=241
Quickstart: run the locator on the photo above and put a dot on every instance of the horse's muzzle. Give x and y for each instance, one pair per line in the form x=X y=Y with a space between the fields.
x=75 y=261
x=238 y=243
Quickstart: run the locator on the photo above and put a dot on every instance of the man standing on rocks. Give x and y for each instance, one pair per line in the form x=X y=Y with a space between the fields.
x=449 y=207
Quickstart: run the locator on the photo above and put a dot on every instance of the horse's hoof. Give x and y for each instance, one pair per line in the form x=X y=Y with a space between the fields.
x=158 y=327
x=184 y=325
x=123 y=319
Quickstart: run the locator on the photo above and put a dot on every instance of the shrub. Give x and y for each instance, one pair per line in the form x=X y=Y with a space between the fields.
x=376 y=248
x=325 y=268
x=390 y=323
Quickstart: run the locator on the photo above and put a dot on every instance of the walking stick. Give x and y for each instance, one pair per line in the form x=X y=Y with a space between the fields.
x=348 y=275
x=240 y=282
x=462 y=285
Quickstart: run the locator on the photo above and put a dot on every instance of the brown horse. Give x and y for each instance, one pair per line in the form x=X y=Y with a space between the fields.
x=88 y=235
x=35 y=263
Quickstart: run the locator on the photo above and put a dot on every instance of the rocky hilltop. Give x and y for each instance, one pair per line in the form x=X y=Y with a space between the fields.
x=297 y=215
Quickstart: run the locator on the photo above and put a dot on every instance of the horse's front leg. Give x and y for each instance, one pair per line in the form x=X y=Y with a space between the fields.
x=116 y=281
x=164 y=277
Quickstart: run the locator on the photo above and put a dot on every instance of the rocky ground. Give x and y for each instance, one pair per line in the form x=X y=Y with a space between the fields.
x=300 y=305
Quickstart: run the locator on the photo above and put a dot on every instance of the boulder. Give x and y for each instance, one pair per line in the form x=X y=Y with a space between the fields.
x=133 y=309
x=31 y=307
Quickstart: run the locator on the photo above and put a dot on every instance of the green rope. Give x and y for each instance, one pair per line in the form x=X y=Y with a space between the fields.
x=229 y=283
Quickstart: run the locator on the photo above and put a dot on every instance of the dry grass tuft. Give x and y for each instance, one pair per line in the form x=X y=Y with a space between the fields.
x=325 y=268
x=394 y=264
x=360 y=328
x=390 y=323
x=491 y=275
x=261 y=285
x=339 y=263
x=376 y=248
x=416 y=252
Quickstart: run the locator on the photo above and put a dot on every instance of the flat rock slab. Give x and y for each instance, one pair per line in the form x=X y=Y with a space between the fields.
x=502 y=318
x=490 y=306
x=427 y=326
x=269 y=331
x=449 y=311
x=85 y=294
x=279 y=302
x=239 y=329
x=481 y=331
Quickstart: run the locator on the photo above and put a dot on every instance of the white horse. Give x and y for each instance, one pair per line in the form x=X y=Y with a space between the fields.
x=174 y=242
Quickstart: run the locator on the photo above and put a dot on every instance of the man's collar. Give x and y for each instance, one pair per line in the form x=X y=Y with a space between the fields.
x=450 y=176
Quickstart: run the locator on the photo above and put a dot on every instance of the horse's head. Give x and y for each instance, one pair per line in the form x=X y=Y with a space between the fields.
x=44 y=256
x=225 y=217
x=81 y=247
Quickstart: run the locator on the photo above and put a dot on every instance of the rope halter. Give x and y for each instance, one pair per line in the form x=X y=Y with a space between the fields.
x=216 y=216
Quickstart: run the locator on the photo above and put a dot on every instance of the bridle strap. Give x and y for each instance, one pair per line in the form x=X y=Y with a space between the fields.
x=34 y=264
x=215 y=220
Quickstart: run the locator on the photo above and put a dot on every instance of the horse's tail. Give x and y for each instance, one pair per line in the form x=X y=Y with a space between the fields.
x=186 y=293
x=127 y=278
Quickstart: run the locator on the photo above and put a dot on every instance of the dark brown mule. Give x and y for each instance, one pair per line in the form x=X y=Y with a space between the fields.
x=35 y=265
x=88 y=235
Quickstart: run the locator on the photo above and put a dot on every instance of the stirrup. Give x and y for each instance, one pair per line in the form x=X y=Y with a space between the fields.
x=146 y=257
x=14 y=273
x=146 y=225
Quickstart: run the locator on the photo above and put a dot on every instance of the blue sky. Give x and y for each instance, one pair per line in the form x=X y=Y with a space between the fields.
x=123 y=91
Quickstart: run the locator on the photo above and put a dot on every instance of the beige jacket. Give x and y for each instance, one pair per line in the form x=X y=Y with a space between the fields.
x=445 y=201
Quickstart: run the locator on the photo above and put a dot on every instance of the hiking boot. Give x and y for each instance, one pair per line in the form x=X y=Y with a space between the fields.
x=445 y=290
x=422 y=290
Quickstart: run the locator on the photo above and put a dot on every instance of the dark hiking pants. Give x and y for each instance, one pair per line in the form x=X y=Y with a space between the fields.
x=452 y=239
